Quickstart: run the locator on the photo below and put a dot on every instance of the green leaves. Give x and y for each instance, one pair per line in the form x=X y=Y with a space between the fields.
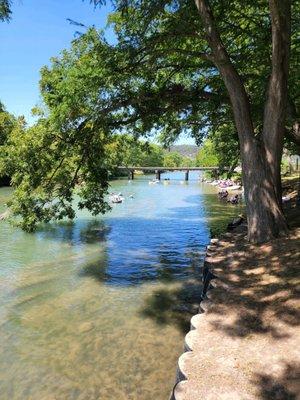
x=159 y=78
x=173 y=160
x=207 y=156
x=5 y=10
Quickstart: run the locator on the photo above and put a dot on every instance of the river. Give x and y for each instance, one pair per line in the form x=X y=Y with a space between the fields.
x=97 y=308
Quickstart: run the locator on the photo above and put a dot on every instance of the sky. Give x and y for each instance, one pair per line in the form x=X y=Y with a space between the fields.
x=38 y=30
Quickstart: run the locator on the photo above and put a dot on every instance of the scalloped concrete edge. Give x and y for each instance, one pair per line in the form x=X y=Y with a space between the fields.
x=204 y=305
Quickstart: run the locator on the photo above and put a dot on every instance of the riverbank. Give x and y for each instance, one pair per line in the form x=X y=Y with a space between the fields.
x=244 y=343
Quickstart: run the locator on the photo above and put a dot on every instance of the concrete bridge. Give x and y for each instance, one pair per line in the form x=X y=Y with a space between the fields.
x=158 y=170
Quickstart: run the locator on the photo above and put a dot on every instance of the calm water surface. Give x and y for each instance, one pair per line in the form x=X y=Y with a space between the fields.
x=97 y=308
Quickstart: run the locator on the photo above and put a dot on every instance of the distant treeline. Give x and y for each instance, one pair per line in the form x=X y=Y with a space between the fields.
x=140 y=153
x=121 y=150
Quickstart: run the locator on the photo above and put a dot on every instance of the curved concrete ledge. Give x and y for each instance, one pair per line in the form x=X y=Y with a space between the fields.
x=242 y=343
x=209 y=282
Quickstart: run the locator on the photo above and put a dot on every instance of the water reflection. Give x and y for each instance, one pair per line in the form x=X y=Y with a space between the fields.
x=78 y=232
x=142 y=250
x=97 y=308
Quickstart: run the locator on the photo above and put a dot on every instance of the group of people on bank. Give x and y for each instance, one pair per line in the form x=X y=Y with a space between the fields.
x=225 y=187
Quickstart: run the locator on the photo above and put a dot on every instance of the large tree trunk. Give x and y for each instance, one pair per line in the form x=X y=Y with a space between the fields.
x=264 y=213
x=277 y=96
x=260 y=158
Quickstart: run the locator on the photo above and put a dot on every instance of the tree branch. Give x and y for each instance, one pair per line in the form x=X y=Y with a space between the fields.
x=197 y=54
x=237 y=93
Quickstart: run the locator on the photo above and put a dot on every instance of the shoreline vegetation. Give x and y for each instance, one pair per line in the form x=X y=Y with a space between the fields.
x=242 y=343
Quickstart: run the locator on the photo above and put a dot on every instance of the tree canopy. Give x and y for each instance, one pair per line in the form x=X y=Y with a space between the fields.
x=7 y=124
x=207 y=156
x=173 y=160
x=5 y=10
x=165 y=75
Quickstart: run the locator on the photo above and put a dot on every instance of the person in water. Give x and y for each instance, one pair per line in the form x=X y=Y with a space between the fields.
x=233 y=199
x=223 y=194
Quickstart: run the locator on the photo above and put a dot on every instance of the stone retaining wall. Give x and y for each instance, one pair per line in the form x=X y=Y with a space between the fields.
x=208 y=280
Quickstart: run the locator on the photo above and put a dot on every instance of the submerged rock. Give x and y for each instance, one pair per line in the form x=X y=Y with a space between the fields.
x=85 y=327
x=4 y=215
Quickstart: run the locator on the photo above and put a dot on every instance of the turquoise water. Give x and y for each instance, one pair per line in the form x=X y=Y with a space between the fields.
x=97 y=308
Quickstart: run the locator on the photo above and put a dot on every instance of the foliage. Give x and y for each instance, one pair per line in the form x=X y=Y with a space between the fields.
x=46 y=169
x=5 y=10
x=226 y=147
x=188 y=162
x=207 y=156
x=7 y=123
x=158 y=77
x=172 y=160
x=139 y=153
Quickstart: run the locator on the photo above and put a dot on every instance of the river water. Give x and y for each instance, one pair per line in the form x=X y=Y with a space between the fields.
x=98 y=308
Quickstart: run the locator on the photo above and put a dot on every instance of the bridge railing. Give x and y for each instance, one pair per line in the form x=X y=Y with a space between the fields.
x=130 y=168
x=159 y=170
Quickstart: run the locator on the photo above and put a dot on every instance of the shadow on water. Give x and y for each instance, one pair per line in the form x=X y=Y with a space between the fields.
x=139 y=250
x=82 y=231
x=136 y=250
x=103 y=294
x=174 y=306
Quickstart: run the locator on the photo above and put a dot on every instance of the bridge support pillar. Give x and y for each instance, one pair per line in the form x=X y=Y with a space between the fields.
x=131 y=174
x=157 y=174
x=186 y=176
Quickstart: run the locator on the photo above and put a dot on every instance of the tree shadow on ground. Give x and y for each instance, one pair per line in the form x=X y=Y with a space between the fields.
x=260 y=285
x=286 y=387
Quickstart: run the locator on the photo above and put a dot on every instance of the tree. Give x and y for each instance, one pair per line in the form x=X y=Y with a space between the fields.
x=139 y=153
x=172 y=159
x=184 y=66
x=152 y=156
x=46 y=169
x=207 y=156
x=262 y=182
x=188 y=162
x=7 y=123
x=5 y=10
x=226 y=147
x=260 y=136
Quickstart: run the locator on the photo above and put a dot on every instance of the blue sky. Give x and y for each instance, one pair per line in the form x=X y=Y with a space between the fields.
x=37 y=31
